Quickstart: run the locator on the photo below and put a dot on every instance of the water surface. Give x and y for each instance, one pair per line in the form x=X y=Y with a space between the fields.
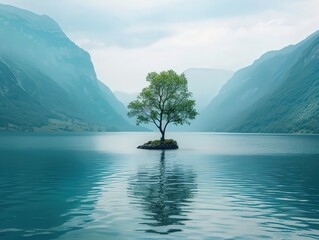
x=216 y=186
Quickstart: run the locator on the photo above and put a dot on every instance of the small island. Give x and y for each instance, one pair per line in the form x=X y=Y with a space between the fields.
x=166 y=100
x=168 y=144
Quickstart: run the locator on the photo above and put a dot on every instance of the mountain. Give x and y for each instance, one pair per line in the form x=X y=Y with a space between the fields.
x=125 y=98
x=278 y=93
x=48 y=83
x=205 y=83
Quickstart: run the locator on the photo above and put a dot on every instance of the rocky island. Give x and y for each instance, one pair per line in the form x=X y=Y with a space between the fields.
x=168 y=144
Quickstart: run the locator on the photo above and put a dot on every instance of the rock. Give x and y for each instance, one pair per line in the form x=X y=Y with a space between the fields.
x=168 y=144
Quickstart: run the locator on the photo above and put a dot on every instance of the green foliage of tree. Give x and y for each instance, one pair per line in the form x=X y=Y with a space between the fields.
x=166 y=100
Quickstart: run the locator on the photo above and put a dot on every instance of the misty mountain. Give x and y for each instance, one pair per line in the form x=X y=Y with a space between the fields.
x=47 y=82
x=205 y=83
x=277 y=93
x=125 y=98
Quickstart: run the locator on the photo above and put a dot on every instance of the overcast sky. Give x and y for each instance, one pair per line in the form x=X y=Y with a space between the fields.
x=129 y=38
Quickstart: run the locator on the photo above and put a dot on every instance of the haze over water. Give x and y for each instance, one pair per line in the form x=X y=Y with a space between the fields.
x=216 y=186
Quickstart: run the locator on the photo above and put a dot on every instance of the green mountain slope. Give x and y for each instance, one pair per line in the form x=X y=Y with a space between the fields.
x=275 y=94
x=47 y=82
x=294 y=106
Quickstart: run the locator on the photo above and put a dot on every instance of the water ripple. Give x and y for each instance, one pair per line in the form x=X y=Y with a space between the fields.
x=71 y=193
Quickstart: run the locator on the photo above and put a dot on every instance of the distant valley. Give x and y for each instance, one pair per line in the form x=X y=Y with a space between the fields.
x=48 y=83
x=204 y=83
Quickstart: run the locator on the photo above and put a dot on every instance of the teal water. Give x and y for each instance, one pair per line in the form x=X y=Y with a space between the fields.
x=216 y=186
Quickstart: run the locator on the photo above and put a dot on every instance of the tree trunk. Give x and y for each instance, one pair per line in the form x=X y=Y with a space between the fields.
x=163 y=136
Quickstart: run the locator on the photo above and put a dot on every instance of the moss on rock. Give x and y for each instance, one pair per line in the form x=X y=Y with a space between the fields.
x=168 y=144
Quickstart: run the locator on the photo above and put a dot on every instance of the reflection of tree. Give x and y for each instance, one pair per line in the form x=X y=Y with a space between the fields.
x=164 y=192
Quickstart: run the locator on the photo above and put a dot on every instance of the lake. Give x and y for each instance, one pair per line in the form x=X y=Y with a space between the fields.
x=216 y=186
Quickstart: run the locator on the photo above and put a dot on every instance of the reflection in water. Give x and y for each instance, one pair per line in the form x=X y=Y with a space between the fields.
x=164 y=193
x=64 y=187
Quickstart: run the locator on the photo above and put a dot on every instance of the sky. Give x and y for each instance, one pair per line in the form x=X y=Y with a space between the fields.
x=129 y=38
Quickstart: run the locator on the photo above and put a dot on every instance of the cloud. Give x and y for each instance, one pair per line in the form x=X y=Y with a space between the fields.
x=129 y=38
x=112 y=21
x=226 y=43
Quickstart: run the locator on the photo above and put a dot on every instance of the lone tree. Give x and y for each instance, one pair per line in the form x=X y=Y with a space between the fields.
x=166 y=100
